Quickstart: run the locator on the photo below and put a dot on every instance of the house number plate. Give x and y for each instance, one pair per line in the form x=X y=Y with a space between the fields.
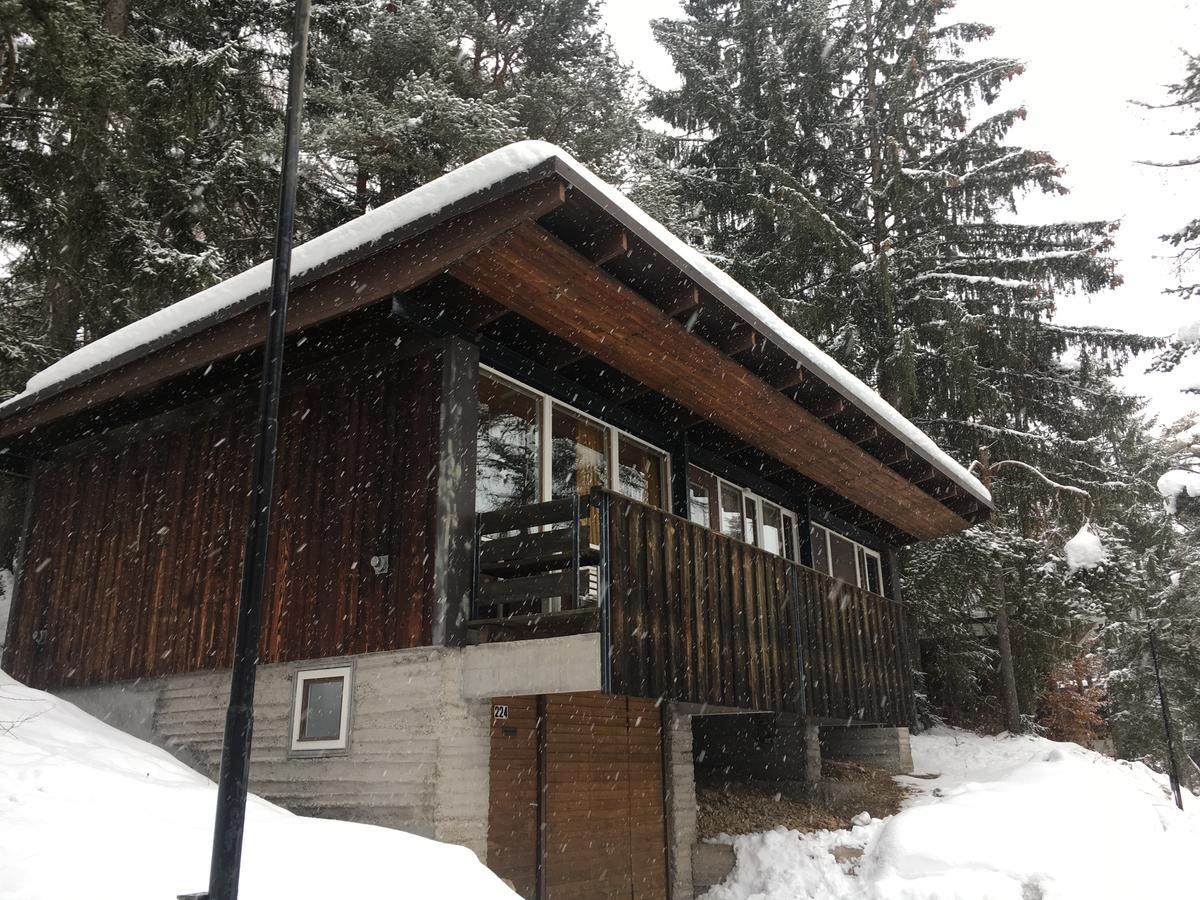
x=499 y=712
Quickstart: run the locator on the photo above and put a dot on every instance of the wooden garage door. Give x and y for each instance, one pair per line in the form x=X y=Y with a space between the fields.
x=596 y=761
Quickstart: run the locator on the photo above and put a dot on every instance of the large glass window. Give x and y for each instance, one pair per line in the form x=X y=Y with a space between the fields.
x=640 y=472
x=579 y=454
x=506 y=447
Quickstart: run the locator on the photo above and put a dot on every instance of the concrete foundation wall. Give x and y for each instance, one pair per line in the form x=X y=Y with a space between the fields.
x=559 y=665
x=418 y=755
x=881 y=747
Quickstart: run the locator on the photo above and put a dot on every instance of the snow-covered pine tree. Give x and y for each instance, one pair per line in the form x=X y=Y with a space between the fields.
x=402 y=92
x=1165 y=596
x=139 y=142
x=130 y=163
x=1184 y=240
x=851 y=162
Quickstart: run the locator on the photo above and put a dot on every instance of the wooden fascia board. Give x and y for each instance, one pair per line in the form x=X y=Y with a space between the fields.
x=388 y=271
x=545 y=280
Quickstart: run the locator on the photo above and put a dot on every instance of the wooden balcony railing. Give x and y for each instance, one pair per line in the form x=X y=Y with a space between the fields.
x=691 y=615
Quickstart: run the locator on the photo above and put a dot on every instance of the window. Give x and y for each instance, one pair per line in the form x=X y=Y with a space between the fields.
x=847 y=560
x=731 y=512
x=741 y=514
x=531 y=448
x=579 y=454
x=772 y=528
x=640 y=472
x=789 y=537
x=702 y=498
x=321 y=710
x=506 y=447
x=751 y=525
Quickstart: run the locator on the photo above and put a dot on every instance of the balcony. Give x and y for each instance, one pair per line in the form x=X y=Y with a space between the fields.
x=689 y=614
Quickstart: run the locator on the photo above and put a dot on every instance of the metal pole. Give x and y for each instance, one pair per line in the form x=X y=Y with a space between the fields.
x=1172 y=765
x=239 y=719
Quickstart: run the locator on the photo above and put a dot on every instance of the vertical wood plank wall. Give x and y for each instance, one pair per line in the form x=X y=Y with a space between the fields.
x=699 y=617
x=598 y=761
x=133 y=560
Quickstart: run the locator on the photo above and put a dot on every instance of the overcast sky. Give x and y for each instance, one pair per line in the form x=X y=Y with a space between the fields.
x=1085 y=62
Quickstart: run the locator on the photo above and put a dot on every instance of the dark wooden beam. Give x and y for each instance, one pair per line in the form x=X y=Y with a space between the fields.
x=607 y=245
x=682 y=301
x=454 y=511
x=741 y=341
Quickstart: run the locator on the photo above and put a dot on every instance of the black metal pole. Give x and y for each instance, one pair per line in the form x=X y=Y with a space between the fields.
x=1172 y=764
x=233 y=783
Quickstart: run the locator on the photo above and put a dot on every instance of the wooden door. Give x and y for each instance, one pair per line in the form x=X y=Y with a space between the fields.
x=596 y=763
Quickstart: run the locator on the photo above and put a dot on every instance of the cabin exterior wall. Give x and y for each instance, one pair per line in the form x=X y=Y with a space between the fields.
x=132 y=557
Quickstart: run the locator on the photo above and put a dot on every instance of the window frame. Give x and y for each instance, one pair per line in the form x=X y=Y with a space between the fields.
x=614 y=434
x=861 y=551
x=339 y=746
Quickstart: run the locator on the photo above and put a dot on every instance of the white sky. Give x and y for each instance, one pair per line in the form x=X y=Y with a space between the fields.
x=1085 y=62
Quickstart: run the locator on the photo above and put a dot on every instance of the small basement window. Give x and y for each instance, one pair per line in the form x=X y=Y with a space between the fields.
x=321 y=710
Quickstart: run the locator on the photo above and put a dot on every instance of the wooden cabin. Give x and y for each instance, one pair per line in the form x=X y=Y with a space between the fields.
x=562 y=513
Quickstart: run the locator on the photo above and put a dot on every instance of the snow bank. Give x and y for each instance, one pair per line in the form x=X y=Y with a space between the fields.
x=88 y=811
x=1003 y=818
x=437 y=195
x=1177 y=482
x=1085 y=550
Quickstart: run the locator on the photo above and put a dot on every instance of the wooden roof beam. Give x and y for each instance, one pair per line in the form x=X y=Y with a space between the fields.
x=607 y=245
x=683 y=301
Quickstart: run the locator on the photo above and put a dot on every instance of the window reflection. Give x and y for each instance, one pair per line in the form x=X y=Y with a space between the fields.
x=579 y=454
x=772 y=529
x=731 y=512
x=506 y=447
x=639 y=472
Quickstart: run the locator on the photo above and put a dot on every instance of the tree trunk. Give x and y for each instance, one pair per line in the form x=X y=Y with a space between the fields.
x=1008 y=677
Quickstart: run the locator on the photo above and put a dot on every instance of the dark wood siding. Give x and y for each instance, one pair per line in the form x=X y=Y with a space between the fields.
x=699 y=617
x=134 y=552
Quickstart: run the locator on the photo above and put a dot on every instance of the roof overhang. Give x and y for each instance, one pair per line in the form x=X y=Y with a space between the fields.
x=412 y=239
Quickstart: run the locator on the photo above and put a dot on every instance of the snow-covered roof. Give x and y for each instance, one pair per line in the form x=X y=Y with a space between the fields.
x=448 y=195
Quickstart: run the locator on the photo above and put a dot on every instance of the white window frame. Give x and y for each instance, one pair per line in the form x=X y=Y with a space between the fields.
x=758 y=500
x=546 y=404
x=858 y=547
x=340 y=744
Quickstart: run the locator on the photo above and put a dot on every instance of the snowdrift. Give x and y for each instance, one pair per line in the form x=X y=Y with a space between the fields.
x=88 y=811
x=1002 y=818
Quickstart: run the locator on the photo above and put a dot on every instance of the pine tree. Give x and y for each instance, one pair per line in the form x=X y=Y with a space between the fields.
x=139 y=142
x=850 y=161
x=1184 y=240
x=131 y=167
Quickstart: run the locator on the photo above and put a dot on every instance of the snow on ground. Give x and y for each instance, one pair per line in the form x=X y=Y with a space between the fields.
x=1003 y=818
x=88 y=811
